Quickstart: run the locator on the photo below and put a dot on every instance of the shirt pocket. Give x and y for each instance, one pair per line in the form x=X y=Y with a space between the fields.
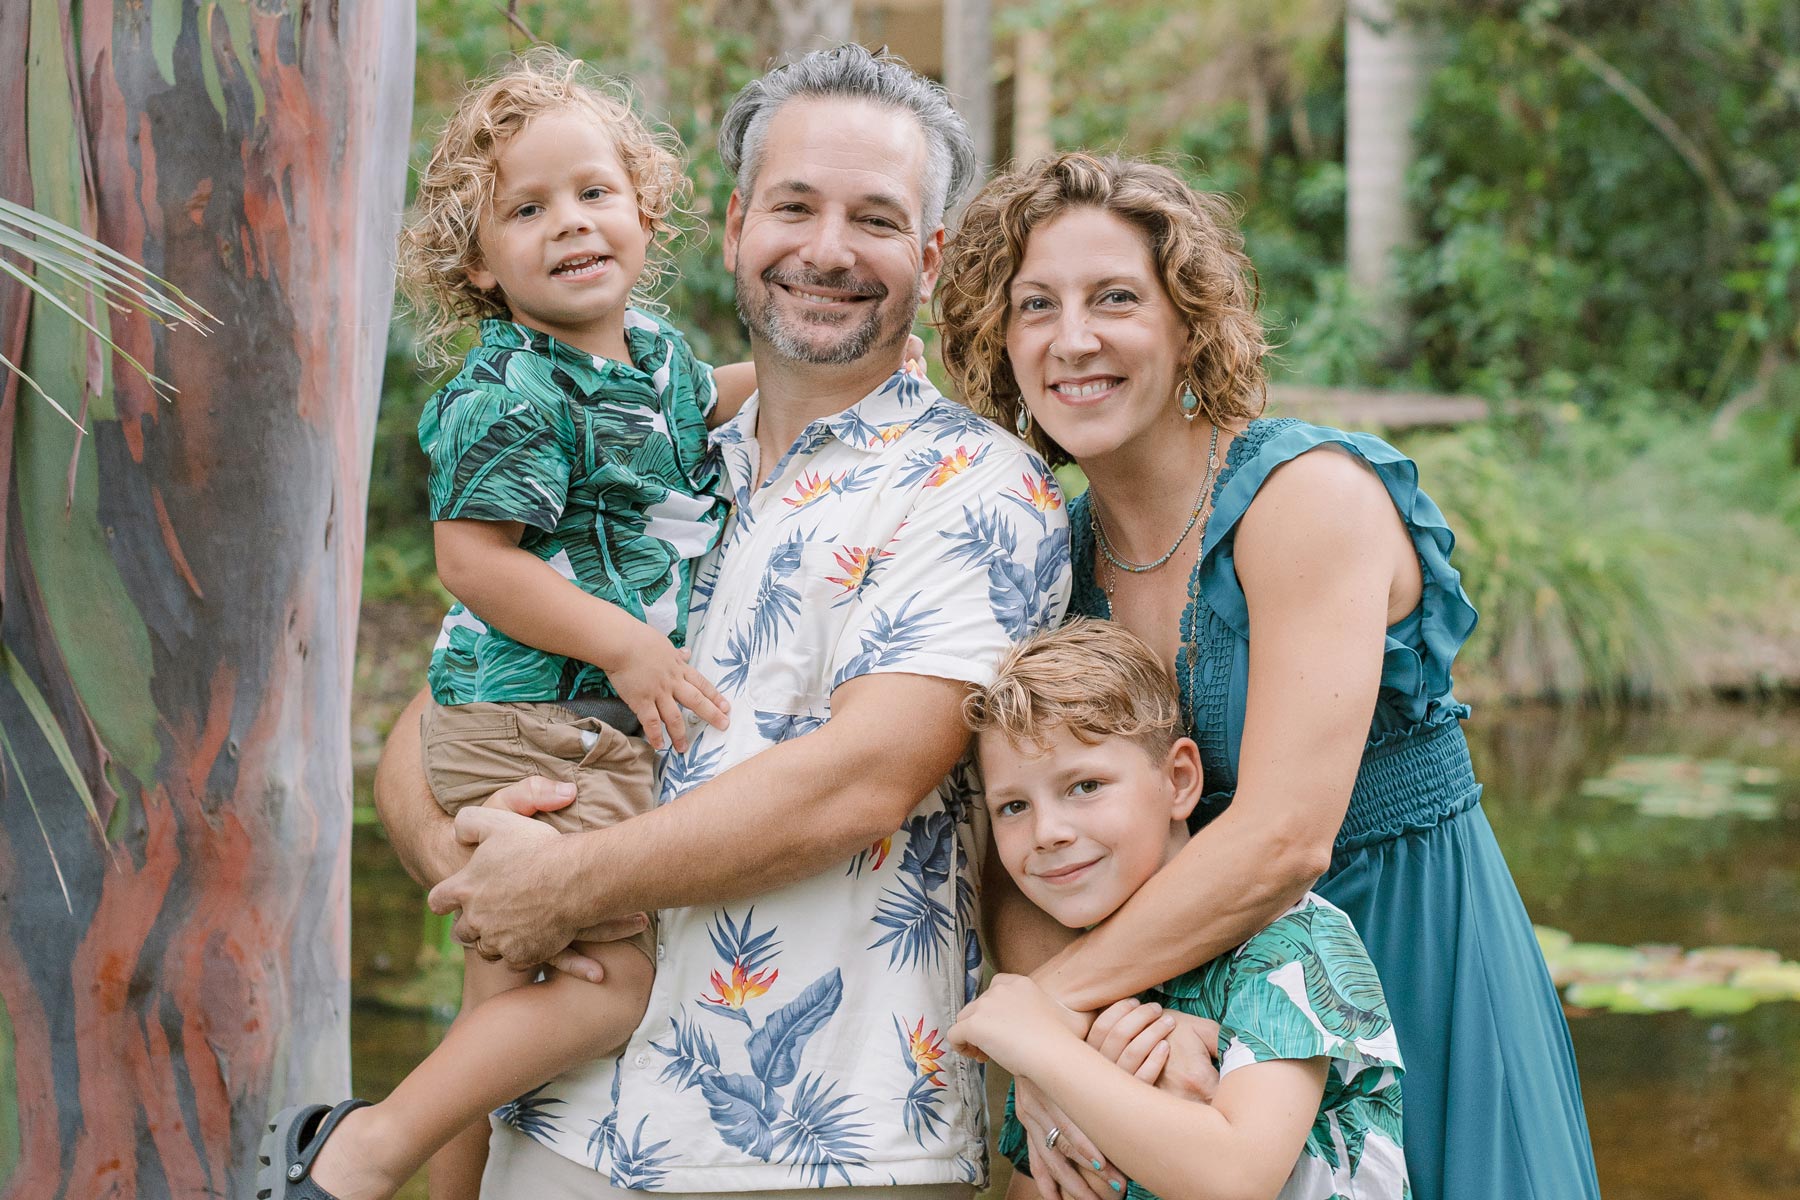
x=801 y=614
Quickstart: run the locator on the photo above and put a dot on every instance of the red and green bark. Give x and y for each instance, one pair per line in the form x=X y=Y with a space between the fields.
x=181 y=581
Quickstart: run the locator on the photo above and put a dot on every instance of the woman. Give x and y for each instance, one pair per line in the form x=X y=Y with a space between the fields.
x=1107 y=312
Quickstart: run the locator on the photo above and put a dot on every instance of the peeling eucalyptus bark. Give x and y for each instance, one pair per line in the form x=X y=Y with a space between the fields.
x=181 y=582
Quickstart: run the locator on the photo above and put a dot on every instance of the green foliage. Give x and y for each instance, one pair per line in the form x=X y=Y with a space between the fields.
x=69 y=269
x=1606 y=556
x=1607 y=198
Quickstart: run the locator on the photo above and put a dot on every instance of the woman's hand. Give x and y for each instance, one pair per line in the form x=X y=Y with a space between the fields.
x=1016 y=1023
x=1074 y=1169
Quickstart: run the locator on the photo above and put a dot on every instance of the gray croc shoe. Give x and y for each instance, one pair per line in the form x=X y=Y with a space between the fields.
x=285 y=1158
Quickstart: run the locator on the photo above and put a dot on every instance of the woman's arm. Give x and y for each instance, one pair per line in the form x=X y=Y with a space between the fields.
x=1325 y=562
x=1243 y=1146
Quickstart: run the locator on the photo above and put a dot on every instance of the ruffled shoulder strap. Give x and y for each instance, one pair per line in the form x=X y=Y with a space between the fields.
x=1417 y=663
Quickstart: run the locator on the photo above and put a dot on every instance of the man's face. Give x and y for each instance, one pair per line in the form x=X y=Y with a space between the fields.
x=830 y=261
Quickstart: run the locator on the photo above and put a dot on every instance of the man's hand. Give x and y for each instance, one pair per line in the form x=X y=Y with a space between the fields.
x=514 y=891
x=532 y=795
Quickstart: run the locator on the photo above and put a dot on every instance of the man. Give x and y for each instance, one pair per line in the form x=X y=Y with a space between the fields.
x=812 y=860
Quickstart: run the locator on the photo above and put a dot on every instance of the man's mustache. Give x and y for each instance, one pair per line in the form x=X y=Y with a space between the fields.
x=835 y=281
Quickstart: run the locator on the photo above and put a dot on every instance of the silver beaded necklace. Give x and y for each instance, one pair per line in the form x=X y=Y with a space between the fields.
x=1115 y=563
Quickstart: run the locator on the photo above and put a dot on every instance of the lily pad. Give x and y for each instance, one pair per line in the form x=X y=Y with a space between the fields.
x=1674 y=785
x=1708 y=981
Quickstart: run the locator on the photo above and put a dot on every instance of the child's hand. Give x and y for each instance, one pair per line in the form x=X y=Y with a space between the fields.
x=915 y=353
x=656 y=681
x=1192 y=1071
x=1135 y=1036
x=1011 y=1021
x=1170 y=1049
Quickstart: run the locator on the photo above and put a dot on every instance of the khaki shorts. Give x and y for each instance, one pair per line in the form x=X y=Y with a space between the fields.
x=472 y=750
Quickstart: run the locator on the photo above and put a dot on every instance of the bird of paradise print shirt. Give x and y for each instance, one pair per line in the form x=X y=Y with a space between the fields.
x=796 y=1039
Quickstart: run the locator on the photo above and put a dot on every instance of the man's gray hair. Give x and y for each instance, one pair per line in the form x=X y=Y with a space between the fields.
x=852 y=72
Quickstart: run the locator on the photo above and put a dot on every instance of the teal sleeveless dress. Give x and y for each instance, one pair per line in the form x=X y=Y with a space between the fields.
x=1492 y=1101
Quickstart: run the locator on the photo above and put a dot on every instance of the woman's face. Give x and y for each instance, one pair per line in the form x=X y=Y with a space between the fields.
x=1095 y=343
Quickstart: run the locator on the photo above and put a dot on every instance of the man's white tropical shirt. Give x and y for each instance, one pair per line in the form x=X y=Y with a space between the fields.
x=797 y=1039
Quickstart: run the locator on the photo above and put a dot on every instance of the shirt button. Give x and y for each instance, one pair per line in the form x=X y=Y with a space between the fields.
x=641 y=1061
x=660 y=952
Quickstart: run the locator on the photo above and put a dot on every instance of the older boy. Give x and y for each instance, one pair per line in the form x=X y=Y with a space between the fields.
x=1089 y=785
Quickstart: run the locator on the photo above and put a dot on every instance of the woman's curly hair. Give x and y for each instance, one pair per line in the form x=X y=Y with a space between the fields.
x=438 y=245
x=1193 y=239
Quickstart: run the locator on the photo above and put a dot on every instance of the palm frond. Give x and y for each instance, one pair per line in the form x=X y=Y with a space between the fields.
x=67 y=261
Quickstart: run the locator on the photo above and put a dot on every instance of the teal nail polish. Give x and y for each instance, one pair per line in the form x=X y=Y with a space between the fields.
x=1117 y=1186
x=1098 y=1165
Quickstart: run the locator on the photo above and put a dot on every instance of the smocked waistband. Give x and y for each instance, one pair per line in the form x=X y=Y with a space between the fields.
x=1407 y=782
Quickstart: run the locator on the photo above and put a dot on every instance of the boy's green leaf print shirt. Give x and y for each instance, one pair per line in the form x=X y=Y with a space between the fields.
x=605 y=464
x=1302 y=988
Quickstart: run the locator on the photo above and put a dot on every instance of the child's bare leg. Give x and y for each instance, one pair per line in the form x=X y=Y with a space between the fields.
x=454 y=1173
x=505 y=1047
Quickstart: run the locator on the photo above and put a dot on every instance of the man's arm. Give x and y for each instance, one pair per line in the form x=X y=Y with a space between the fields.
x=422 y=834
x=784 y=815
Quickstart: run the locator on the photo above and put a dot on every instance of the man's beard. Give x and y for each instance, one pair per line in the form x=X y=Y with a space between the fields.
x=884 y=326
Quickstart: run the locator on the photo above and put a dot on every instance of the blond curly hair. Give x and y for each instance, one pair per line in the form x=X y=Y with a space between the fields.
x=439 y=244
x=1193 y=240
x=1093 y=678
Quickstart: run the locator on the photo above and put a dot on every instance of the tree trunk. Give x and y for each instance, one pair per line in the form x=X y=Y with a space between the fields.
x=969 y=70
x=1384 y=83
x=649 y=46
x=182 y=582
x=1034 y=63
x=803 y=26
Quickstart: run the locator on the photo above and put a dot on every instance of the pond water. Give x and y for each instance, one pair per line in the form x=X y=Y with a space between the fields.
x=1667 y=848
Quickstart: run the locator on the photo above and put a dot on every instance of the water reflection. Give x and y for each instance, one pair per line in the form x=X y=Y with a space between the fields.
x=1681 y=1107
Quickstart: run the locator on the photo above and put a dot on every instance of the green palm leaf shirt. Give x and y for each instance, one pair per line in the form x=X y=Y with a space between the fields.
x=1302 y=988
x=603 y=462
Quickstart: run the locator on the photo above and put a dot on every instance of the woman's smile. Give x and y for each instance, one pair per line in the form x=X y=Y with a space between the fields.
x=1086 y=389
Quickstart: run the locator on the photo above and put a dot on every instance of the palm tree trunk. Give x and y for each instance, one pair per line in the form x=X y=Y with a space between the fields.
x=181 y=583
x=1034 y=63
x=806 y=25
x=1385 y=72
x=969 y=69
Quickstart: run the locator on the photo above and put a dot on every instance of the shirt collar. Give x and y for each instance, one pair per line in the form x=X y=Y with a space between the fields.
x=872 y=424
x=644 y=334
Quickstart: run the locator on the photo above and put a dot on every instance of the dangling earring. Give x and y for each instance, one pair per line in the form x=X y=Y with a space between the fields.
x=1190 y=404
x=1022 y=422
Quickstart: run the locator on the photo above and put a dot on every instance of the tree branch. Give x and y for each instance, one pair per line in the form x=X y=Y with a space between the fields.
x=511 y=13
x=1662 y=122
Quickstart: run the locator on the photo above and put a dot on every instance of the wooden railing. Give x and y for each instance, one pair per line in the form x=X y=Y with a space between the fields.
x=1354 y=408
